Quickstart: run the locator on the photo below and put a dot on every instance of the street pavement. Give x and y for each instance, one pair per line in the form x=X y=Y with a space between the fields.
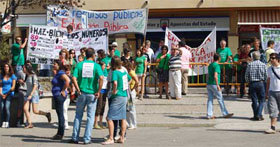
x=161 y=122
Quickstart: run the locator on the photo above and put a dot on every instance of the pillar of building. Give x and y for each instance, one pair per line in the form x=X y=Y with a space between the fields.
x=233 y=38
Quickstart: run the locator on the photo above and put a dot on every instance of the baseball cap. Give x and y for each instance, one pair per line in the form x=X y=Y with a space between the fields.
x=115 y=44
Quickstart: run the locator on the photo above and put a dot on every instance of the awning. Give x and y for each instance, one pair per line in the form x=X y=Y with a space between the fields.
x=259 y=17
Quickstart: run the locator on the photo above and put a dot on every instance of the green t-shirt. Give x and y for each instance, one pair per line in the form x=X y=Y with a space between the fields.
x=117 y=53
x=140 y=64
x=107 y=61
x=74 y=63
x=224 y=54
x=235 y=59
x=212 y=68
x=18 y=55
x=87 y=74
x=122 y=79
x=163 y=63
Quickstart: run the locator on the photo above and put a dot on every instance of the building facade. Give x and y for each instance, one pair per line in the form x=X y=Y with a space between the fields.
x=237 y=21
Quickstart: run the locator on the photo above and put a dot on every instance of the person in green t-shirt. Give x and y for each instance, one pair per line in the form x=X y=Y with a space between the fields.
x=163 y=70
x=17 y=50
x=226 y=57
x=88 y=80
x=117 y=52
x=72 y=60
x=214 y=90
x=118 y=100
x=141 y=64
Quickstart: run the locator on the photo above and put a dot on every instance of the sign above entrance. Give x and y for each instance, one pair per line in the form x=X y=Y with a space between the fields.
x=188 y=24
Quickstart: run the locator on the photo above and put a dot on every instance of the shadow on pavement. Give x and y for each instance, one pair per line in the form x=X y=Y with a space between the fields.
x=244 y=131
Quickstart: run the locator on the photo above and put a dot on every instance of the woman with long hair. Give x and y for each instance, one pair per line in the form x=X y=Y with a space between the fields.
x=32 y=95
x=7 y=87
x=64 y=56
x=60 y=84
x=163 y=70
x=140 y=70
x=117 y=100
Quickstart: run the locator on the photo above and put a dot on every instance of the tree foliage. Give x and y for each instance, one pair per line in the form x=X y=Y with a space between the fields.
x=12 y=5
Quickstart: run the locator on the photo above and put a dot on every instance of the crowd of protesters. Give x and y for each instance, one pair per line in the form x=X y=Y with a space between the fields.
x=95 y=77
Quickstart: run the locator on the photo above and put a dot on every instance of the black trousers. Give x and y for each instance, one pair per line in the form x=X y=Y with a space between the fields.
x=59 y=101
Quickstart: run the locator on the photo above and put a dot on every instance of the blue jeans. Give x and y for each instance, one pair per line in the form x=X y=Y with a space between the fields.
x=84 y=100
x=59 y=101
x=7 y=103
x=213 y=92
x=257 y=93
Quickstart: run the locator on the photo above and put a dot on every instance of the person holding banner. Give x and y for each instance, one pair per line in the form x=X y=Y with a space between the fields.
x=18 y=54
x=140 y=70
x=162 y=70
x=88 y=80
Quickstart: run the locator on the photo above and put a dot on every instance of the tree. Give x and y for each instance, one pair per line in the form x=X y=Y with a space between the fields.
x=12 y=5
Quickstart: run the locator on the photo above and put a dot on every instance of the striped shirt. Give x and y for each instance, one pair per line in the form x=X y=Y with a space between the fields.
x=175 y=62
x=256 y=71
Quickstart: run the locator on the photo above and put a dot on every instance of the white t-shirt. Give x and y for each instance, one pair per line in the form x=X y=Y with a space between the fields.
x=150 y=52
x=274 y=81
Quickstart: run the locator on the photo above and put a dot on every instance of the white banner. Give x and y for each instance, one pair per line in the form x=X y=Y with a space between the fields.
x=203 y=54
x=270 y=34
x=170 y=39
x=6 y=29
x=125 y=21
x=45 y=43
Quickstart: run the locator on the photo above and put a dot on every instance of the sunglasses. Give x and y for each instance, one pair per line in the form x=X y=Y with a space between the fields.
x=272 y=58
x=72 y=53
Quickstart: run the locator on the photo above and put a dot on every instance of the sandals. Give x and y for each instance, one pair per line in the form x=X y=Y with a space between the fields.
x=120 y=140
x=108 y=141
x=29 y=127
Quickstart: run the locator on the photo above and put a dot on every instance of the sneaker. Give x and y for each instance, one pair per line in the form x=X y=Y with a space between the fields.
x=211 y=117
x=49 y=117
x=73 y=142
x=67 y=127
x=3 y=124
x=7 y=125
x=228 y=115
x=270 y=131
x=131 y=128
x=57 y=137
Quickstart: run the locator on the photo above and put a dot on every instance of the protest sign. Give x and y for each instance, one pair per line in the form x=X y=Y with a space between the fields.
x=203 y=54
x=170 y=39
x=45 y=43
x=125 y=21
x=270 y=34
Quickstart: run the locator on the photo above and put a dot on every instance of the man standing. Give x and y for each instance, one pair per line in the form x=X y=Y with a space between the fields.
x=18 y=54
x=185 y=58
x=214 y=90
x=150 y=51
x=226 y=56
x=256 y=48
x=273 y=86
x=88 y=80
x=256 y=75
x=117 y=52
x=175 y=74
x=158 y=51
x=269 y=50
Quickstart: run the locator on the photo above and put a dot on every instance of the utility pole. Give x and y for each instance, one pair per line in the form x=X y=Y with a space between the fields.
x=13 y=22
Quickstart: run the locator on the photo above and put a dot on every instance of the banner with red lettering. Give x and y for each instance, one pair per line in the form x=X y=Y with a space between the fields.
x=125 y=21
x=203 y=54
x=170 y=39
